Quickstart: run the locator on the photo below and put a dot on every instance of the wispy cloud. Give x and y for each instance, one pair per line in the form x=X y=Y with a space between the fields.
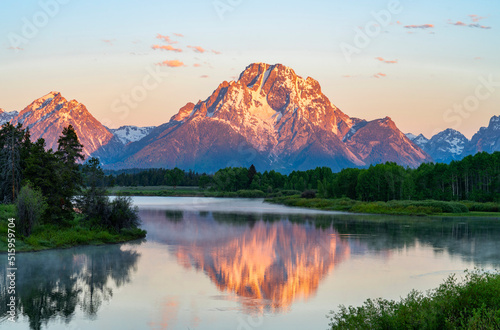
x=479 y=26
x=216 y=52
x=422 y=26
x=166 y=39
x=204 y=76
x=171 y=63
x=166 y=47
x=478 y=58
x=197 y=49
x=379 y=75
x=179 y=35
x=476 y=18
x=381 y=59
x=15 y=48
x=197 y=65
x=108 y=41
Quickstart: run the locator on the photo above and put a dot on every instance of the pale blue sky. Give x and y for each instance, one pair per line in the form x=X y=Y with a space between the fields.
x=100 y=53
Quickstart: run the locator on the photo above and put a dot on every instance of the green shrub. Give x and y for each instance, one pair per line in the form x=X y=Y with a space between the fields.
x=30 y=206
x=251 y=193
x=308 y=194
x=471 y=304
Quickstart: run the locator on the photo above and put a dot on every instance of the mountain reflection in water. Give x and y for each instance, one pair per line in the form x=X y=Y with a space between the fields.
x=271 y=262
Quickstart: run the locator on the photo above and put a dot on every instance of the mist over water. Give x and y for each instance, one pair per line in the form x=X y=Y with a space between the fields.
x=212 y=263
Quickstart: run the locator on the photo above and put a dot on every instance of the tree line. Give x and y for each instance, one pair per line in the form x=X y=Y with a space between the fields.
x=50 y=187
x=475 y=178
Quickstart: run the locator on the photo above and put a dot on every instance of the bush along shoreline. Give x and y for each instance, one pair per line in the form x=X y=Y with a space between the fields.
x=396 y=207
x=473 y=303
x=50 y=200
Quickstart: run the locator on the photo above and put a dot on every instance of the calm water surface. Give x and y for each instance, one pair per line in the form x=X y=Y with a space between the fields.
x=212 y=263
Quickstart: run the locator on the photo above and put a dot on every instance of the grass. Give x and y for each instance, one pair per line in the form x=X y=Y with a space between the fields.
x=419 y=208
x=49 y=236
x=473 y=303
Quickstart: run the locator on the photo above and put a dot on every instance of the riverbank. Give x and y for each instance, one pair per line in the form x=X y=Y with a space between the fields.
x=416 y=208
x=49 y=236
x=473 y=303
x=169 y=191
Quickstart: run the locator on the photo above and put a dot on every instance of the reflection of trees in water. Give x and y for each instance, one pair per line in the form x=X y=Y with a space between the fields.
x=472 y=239
x=52 y=284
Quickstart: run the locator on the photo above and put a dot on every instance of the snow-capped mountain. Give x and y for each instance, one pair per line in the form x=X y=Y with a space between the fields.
x=127 y=134
x=420 y=140
x=486 y=139
x=274 y=119
x=6 y=117
x=47 y=116
x=446 y=146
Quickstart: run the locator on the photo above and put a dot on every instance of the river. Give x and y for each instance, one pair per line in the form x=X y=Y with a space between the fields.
x=210 y=263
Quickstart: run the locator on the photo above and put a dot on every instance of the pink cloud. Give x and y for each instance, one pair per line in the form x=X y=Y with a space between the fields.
x=478 y=58
x=379 y=75
x=476 y=18
x=171 y=64
x=381 y=59
x=167 y=47
x=179 y=35
x=197 y=65
x=108 y=41
x=165 y=38
x=197 y=49
x=458 y=23
x=204 y=76
x=422 y=26
x=15 y=48
x=215 y=52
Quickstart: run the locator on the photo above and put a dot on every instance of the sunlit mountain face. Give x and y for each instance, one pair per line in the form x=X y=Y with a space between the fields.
x=267 y=262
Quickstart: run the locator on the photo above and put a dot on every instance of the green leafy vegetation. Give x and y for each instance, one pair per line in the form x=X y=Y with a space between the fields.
x=473 y=303
x=474 y=178
x=427 y=207
x=58 y=202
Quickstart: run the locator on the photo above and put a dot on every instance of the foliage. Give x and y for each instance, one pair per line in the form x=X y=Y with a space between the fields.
x=392 y=207
x=30 y=206
x=12 y=142
x=308 y=194
x=123 y=214
x=471 y=304
x=474 y=178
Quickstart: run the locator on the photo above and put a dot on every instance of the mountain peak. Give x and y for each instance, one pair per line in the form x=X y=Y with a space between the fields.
x=47 y=116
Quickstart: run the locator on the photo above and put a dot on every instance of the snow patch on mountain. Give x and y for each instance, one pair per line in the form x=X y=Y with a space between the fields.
x=127 y=134
x=6 y=117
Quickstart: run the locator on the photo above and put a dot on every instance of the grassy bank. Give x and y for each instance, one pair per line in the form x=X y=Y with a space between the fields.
x=473 y=303
x=419 y=208
x=48 y=236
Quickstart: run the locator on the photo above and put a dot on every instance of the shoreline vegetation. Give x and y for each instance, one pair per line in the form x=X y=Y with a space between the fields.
x=50 y=236
x=52 y=199
x=293 y=198
x=473 y=303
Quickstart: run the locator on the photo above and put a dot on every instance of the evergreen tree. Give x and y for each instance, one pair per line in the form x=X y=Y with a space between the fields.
x=251 y=173
x=69 y=152
x=11 y=151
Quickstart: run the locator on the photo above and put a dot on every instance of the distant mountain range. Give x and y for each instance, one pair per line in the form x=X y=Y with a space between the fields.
x=269 y=117
x=450 y=144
